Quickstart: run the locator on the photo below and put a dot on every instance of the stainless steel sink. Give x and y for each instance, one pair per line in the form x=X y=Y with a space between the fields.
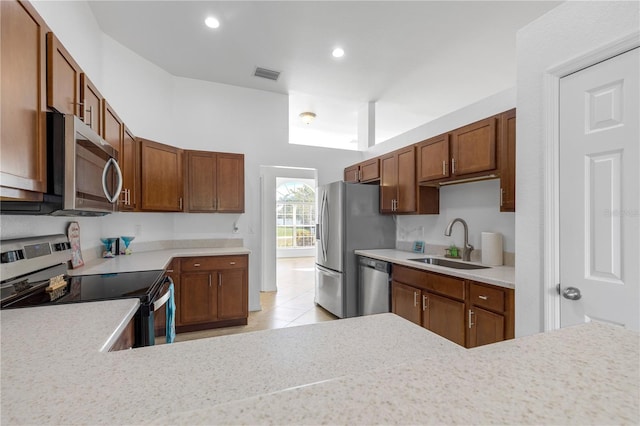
x=448 y=263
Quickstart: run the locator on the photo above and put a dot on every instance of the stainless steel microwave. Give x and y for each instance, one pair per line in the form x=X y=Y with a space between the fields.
x=83 y=175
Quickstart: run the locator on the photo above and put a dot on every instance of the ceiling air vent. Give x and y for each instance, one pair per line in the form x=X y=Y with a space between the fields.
x=268 y=74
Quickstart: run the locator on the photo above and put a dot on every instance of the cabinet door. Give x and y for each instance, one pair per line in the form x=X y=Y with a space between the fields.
x=91 y=105
x=198 y=298
x=230 y=183
x=112 y=126
x=351 y=174
x=22 y=112
x=63 y=78
x=433 y=159
x=485 y=327
x=405 y=302
x=232 y=294
x=388 y=183
x=370 y=170
x=406 y=201
x=474 y=148
x=508 y=161
x=201 y=178
x=128 y=166
x=160 y=177
x=444 y=316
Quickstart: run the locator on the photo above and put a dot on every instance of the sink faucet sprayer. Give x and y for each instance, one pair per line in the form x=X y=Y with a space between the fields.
x=468 y=248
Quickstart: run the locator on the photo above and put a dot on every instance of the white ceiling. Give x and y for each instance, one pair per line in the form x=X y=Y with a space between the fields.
x=417 y=60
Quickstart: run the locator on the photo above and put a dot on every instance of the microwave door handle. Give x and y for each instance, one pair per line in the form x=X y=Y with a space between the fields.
x=114 y=198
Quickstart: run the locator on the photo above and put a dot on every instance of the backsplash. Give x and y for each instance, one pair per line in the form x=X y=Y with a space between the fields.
x=478 y=203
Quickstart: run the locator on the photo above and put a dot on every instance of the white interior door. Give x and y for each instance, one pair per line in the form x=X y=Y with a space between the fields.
x=600 y=193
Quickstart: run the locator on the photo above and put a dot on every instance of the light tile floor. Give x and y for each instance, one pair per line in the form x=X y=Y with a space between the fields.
x=291 y=305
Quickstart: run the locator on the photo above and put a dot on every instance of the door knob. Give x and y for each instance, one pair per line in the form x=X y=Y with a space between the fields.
x=571 y=293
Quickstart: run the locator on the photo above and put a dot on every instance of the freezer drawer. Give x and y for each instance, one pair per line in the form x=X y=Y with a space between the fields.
x=330 y=291
x=374 y=287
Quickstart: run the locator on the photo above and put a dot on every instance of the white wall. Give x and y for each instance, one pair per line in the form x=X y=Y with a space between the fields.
x=478 y=203
x=570 y=30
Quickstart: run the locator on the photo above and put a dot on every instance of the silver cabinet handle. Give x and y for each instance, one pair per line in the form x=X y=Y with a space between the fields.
x=501 y=196
x=209 y=280
x=232 y=263
x=572 y=293
x=219 y=279
x=196 y=265
x=470 y=322
x=180 y=203
x=483 y=297
x=444 y=168
x=88 y=118
x=415 y=298
x=453 y=166
x=425 y=303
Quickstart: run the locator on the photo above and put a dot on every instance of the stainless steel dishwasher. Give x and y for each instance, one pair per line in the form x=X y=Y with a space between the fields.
x=374 y=285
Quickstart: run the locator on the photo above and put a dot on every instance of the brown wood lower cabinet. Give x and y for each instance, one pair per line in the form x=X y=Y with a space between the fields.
x=212 y=292
x=490 y=314
x=467 y=313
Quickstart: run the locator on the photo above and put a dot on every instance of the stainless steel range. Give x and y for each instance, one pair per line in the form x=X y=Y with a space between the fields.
x=33 y=272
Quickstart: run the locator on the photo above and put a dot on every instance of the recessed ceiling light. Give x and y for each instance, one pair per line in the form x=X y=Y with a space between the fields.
x=338 y=52
x=212 y=22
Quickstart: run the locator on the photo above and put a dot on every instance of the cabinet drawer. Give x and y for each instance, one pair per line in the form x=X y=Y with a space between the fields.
x=447 y=286
x=209 y=263
x=487 y=297
x=408 y=276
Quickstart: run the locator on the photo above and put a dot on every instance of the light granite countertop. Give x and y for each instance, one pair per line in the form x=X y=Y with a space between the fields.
x=150 y=260
x=365 y=370
x=503 y=276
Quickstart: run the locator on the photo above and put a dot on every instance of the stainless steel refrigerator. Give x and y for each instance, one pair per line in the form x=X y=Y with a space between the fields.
x=348 y=219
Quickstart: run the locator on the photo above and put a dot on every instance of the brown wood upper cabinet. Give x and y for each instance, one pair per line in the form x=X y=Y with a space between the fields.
x=128 y=161
x=398 y=181
x=473 y=148
x=214 y=182
x=112 y=126
x=63 y=78
x=508 y=161
x=365 y=172
x=91 y=104
x=160 y=177
x=433 y=159
x=23 y=170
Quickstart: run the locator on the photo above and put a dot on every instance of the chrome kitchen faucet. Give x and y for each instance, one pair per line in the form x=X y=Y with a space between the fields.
x=468 y=248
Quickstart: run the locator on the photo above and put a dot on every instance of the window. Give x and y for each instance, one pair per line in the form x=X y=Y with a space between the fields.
x=295 y=215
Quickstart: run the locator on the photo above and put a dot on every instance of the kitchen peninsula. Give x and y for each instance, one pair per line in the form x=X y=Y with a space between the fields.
x=374 y=369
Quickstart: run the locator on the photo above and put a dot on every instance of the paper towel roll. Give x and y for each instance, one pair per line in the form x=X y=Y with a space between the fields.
x=491 y=248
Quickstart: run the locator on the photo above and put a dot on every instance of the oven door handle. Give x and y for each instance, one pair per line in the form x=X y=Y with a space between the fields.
x=161 y=301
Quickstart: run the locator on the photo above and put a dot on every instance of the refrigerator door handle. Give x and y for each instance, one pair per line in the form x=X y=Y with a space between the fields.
x=328 y=271
x=324 y=226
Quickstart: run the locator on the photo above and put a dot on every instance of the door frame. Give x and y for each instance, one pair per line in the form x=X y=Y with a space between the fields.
x=551 y=107
x=268 y=177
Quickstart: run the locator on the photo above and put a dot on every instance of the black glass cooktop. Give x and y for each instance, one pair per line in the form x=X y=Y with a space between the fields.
x=88 y=288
